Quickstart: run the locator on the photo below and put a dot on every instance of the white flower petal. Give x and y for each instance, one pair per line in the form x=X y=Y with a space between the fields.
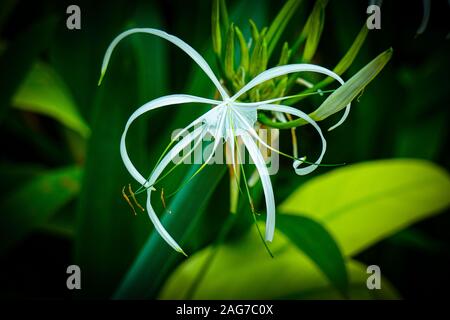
x=220 y=130
x=176 y=41
x=260 y=164
x=300 y=114
x=286 y=69
x=245 y=125
x=154 y=104
x=154 y=176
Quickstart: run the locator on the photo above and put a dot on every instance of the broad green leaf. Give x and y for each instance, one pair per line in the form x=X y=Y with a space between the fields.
x=279 y=24
x=108 y=235
x=44 y=92
x=20 y=55
x=156 y=258
x=313 y=30
x=315 y=241
x=215 y=26
x=351 y=88
x=357 y=288
x=14 y=175
x=29 y=206
x=243 y=270
x=364 y=203
x=77 y=54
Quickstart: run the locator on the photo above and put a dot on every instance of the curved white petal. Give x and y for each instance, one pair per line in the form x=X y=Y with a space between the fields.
x=286 y=69
x=344 y=117
x=300 y=114
x=154 y=104
x=260 y=164
x=242 y=122
x=176 y=41
x=220 y=128
x=154 y=176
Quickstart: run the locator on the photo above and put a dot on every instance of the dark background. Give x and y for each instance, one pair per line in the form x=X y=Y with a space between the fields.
x=403 y=113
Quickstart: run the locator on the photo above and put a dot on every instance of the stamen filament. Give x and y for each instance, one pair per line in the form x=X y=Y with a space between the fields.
x=134 y=198
x=128 y=200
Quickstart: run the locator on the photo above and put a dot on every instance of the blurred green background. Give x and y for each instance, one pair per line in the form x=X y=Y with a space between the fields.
x=61 y=172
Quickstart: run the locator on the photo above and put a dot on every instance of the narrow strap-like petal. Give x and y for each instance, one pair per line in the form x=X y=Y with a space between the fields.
x=154 y=176
x=286 y=69
x=154 y=104
x=283 y=70
x=260 y=164
x=300 y=114
x=176 y=41
x=217 y=140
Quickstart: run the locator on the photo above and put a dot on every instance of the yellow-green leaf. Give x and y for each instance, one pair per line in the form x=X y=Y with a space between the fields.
x=285 y=55
x=279 y=24
x=229 y=53
x=215 y=25
x=315 y=241
x=364 y=203
x=313 y=29
x=254 y=30
x=32 y=204
x=350 y=89
x=290 y=274
x=244 y=49
x=349 y=57
x=45 y=93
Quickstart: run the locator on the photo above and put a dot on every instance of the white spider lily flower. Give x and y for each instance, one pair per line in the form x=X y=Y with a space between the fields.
x=227 y=120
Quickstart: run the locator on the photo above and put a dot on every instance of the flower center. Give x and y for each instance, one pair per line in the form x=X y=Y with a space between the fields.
x=227 y=120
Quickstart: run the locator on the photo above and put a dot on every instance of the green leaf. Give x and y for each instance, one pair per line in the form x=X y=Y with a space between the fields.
x=279 y=24
x=215 y=25
x=290 y=274
x=224 y=15
x=348 y=58
x=259 y=57
x=341 y=67
x=315 y=241
x=44 y=92
x=20 y=55
x=351 y=88
x=313 y=30
x=285 y=55
x=352 y=52
x=229 y=53
x=364 y=203
x=244 y=49
x=31 y=205
x=254 y=31
x=108 y=235
x=14 y=175
x=156 y=258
